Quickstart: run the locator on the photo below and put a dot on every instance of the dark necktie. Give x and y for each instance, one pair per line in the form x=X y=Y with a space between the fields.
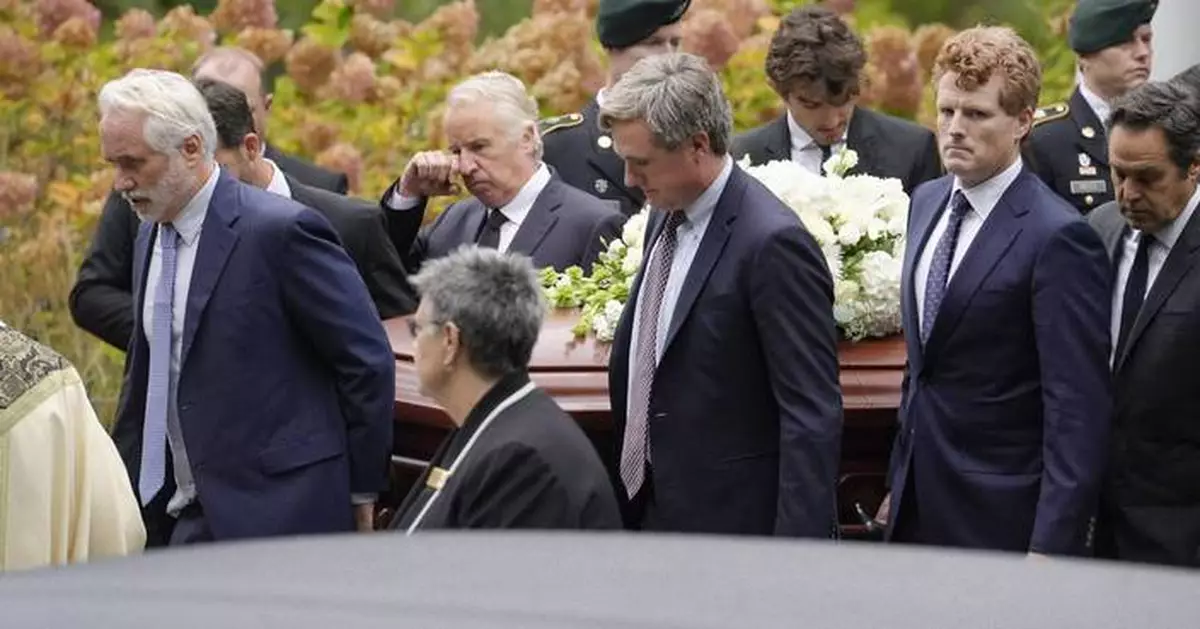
x=489 y=236
x=1135 y=290
x=637 y=435
x=826 y=152
x=939 y=268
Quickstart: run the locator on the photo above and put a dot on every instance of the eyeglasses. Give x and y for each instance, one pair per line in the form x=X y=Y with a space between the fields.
x=415 y=327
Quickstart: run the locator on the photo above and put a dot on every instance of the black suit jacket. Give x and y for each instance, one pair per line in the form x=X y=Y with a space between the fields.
x=531 y=468
x=746 y=408
x=887 y=147
x=1150 y=502
x=101 y=301
x=582 y=155
x=363 y=231
x=308 y=173
x=1061 y=153
x=565 y=227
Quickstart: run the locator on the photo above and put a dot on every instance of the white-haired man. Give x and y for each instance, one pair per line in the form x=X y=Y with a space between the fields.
x=518 y=203
x=259 y=381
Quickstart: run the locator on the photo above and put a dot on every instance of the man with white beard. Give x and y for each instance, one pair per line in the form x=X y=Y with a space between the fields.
x=259 y=381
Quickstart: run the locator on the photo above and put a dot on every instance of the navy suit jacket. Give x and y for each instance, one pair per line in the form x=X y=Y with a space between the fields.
x=746 y=408
x=287 y=381
x=1005 y=411
x=564 y=227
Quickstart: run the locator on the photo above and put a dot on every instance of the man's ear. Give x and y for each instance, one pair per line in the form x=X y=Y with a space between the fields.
x=252 y=145
x=268 y=100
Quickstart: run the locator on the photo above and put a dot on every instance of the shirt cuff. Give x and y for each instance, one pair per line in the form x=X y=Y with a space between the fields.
x=400 y=203
x=363 y=499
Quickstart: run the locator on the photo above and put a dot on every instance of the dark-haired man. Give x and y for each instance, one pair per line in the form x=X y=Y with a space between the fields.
x=815 y=64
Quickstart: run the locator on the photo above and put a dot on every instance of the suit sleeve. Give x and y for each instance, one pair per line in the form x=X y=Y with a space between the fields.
x=329 y=303
x=1072 y=303
x=385 y=276
x=404 y=228
x=605 y=231
x=101 y=301
x=513 y=487
x=792 y=301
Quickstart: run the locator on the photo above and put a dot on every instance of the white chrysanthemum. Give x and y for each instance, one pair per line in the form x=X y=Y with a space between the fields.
x=634 y=231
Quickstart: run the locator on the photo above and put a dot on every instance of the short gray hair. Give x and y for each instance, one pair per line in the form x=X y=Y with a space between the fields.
x=494 y=298
x=174 y=108
x=509 y=98
x=1169 y=106
x=677 y=96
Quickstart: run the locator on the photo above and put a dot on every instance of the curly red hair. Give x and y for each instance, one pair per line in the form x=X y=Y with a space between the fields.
x=977 y=53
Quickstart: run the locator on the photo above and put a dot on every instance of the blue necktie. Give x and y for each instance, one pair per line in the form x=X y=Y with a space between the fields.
x=939 y=269
x=154 y=427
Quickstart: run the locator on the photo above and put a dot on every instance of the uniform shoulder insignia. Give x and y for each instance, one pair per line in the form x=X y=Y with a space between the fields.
x=565 y=121
x=1048 y=113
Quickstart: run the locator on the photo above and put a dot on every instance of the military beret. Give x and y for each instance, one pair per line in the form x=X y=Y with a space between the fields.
x=623 y=23
x=1099 y=24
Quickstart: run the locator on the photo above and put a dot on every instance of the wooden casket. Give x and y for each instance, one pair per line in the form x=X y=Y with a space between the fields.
x=574 y=372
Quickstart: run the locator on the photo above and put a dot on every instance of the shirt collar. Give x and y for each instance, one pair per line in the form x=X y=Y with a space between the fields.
x=1098 y=104
x=517 y=209
x=801 y=140
x=702 y=208
x=279 y=184
x=985 y=196
x=1170 y=234
x=191 y=218
x=600 y=97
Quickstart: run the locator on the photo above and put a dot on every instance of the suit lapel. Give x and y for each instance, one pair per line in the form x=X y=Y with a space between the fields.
x=989 y=246
x=922 y=227
x=472 y=223
x=541 y=217
x=1179 y=262
x=217 y=240
x=779 y=141
x=1081 y=112
x=711 y=246
x=861 y=138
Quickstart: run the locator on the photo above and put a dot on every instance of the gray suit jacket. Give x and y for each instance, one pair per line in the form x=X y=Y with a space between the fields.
x=565 y=227
x=886 y=147
x=1150 y=505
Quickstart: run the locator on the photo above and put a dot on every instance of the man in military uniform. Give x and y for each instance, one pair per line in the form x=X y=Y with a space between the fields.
x=574 y=145
x=1068 y=147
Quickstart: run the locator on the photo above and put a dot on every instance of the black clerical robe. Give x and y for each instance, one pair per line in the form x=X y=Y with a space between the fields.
x=518 y=461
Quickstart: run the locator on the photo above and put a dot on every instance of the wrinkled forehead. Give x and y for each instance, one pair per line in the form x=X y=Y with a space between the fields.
x=122 y=134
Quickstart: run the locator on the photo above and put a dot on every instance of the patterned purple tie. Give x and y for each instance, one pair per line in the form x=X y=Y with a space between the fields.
x=939 y=268
x=158 y=384
x=637 y=435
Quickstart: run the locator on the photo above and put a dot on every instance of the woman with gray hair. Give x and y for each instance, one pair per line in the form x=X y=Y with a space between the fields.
x=515 y=460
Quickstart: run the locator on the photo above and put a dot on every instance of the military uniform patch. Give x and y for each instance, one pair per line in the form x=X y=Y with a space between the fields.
x=1049 y=113
x=565 y=121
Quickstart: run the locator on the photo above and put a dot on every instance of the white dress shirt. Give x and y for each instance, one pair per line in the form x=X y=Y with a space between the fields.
x=1160 y=247
x=279 y=184
x=1098 y=104
x=515 y=210
x=983 y=199
x=189 y=224
x=805 y=150
x=688 y=237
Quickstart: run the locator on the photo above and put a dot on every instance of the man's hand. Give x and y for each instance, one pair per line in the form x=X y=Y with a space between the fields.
x=885 y=508
x=364 y=517
x=429 y=174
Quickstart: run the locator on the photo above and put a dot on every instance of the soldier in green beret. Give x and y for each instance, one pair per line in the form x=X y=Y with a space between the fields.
x=1068 y=147
x=574 y=145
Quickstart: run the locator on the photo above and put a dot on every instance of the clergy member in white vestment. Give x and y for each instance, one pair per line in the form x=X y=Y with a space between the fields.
x=64 y=494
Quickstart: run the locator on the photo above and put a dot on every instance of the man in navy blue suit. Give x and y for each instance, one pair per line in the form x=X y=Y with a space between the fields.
x=259 y=382
x=724 y=369
x=1006 y=299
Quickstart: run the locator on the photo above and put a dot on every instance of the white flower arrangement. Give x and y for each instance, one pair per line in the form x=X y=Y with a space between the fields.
x=859 y=222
